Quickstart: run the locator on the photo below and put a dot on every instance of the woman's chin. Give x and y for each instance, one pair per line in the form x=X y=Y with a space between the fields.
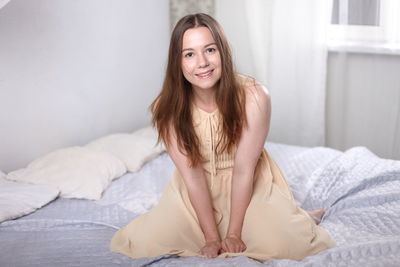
x=205 y=85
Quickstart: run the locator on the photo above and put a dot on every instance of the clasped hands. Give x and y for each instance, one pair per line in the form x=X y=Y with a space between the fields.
x=231 y=243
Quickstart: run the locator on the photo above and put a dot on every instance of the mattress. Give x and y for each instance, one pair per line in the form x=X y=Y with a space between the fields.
x=360 y=191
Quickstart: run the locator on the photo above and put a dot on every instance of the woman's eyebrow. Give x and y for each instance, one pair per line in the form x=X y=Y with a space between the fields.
x=207 y=45
x=210 y=44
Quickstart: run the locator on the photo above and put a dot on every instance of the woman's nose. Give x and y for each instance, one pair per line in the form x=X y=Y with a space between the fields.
x=203 y=61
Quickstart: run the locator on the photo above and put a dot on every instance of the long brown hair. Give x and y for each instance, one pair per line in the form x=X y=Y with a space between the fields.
x=172 y=107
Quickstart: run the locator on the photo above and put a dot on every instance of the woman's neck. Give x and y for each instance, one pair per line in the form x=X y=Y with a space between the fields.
x=205 y=99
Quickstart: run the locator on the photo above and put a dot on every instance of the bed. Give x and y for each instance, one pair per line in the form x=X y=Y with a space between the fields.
x=360 y=191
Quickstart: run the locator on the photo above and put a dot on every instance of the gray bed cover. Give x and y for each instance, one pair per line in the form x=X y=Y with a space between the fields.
x=360 y=191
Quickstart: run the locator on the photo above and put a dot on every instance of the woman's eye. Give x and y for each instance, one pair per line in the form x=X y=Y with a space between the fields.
x=210 y=50
x=189 y=54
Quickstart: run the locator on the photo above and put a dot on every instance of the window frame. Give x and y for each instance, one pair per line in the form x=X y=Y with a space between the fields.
x=364 y=34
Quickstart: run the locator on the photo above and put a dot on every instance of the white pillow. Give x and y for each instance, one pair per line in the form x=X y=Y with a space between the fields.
x=18 y=199
x=133 y=149
x=147 y=132
x=77 y=172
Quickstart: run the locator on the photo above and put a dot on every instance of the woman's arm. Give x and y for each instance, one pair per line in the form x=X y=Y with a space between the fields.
x=251 y=144
x=199 y=195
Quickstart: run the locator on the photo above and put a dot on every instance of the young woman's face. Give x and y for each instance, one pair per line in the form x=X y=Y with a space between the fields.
x=201 y=61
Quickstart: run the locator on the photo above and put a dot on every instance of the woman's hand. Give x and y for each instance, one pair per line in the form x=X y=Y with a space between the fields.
x=233 y=243
x=211 y=249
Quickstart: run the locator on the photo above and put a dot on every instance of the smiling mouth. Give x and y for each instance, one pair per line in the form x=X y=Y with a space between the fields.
x=204 y=74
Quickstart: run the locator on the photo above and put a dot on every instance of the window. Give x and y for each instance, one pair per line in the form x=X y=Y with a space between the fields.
x=356 y=12
x=372 y=22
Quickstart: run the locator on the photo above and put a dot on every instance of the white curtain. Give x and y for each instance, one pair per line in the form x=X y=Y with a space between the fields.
x=392 y=22
x=289 y=55
x=3 y=3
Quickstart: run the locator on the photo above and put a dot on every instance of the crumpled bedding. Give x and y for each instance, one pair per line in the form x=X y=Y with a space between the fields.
x=360 y=191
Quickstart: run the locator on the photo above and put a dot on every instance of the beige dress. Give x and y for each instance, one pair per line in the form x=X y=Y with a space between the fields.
x=274 y=227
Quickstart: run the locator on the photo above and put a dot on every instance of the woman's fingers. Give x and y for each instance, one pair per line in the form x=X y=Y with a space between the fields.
x=211 y=249
x=233 y=245
x=224 y=247
x=209 y=254
x=228 y=245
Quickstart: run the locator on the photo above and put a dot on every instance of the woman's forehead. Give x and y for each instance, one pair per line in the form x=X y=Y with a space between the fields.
x=197 y=38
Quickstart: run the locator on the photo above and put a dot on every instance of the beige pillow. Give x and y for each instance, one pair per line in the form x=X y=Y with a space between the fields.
x=133 y=149
x=78 y=172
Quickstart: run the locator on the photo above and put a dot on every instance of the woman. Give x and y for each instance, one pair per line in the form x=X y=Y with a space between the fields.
x=227 y=196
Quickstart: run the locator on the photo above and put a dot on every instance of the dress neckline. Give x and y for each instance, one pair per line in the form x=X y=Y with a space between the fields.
x=205 y=112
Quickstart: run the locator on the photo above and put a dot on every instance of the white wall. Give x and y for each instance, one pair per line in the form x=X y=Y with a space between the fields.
x=72 y=71
x=363 y=102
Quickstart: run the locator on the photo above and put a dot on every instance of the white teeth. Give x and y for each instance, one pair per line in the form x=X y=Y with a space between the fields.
x=205 y=74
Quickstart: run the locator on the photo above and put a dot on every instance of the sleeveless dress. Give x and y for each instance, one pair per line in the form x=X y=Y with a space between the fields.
x=274 y=226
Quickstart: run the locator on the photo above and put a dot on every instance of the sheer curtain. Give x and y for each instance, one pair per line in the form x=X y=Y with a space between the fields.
x=3 y=3
x=289 y=55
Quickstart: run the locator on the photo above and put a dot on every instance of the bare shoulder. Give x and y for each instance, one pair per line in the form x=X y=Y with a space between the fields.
x=257 y=95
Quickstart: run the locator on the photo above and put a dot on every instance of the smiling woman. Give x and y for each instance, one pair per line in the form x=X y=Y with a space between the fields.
x=201 y=62
x=227 y=196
